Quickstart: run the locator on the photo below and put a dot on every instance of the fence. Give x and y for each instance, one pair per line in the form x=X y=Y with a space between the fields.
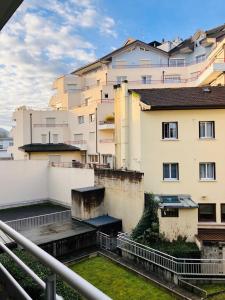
x=36 y=221
x=179 y=266
x=106 y=242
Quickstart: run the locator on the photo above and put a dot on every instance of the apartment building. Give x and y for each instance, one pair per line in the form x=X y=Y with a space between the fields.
x=87 y=96
x=179 y=146
x=5 y=143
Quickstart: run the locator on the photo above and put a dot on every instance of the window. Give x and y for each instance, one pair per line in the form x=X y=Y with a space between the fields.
x=207 y=212
x=170 y=171
x=93 y=158
x=91 y=118
x=170 y=212
x=50 y=122
x=80 y=119
x=145 y=62
x=207 y=171
x=78 y=138
x=172 y=78
x=120 y=79
x=1 y=146
x=177 y=62
x=106 y=96
x=200 y=58
x=169 y=130
x=146 y=79
x=98 y=82
x=72 y=87
x=207 y=129
x=44 y=138
x=55 y=138
x=86 y=101
x=222 y=212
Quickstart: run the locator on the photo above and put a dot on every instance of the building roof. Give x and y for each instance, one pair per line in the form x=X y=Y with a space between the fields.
x=7 y=9
x=89 y=189
x=216 y=32
x=182 y=98
x=102 y=220
x=107 y=58
x=175 y=201
x=38 y=147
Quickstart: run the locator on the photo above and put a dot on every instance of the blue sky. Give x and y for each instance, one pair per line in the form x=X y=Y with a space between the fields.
x=47 y=38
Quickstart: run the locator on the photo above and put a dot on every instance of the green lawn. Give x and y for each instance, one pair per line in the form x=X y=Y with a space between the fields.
x=117 y=282
x=213 y=287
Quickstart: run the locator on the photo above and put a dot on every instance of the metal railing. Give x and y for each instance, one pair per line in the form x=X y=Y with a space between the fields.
x=180 y=266
x=77 y=164
x=36 y=221
x=51 y=125
x=106 y=141
x=83 y=287
x=106 y=122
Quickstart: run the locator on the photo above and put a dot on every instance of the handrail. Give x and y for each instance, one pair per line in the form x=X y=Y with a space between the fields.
x=85 y=288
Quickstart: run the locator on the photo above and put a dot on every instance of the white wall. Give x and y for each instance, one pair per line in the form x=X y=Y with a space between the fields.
x=62 y=180
x=22 y=181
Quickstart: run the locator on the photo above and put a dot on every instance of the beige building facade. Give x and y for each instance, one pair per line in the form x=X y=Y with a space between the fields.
x=176 y=138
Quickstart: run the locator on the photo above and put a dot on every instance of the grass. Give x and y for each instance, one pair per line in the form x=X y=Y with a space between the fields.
x=213 y=288
x=117 y=282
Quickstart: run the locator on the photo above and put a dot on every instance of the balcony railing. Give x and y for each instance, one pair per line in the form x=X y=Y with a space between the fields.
x=79 y=165
x=80 y=142
x=106 y=122
x=106 y=141
x=51 y=125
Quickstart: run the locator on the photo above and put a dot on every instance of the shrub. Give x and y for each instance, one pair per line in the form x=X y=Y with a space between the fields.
x=109 y=118
x=32 y=288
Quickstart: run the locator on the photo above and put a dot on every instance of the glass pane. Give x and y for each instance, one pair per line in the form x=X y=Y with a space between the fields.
x=173 y=130
x=206 y=208
x=209 y=129
x=210 y=170
x=202 y=171
x=166 y=171
x=202 y=129
x=223 y=208
x=173 y=170
x=166 y=130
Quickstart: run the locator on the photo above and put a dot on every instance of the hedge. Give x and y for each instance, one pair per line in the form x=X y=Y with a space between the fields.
x=28 y=283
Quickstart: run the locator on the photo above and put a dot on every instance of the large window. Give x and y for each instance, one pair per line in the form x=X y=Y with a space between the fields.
x=80 y=119
x=207 y=212
x=207 y=171
x=91 y=118
x=120 y=79
x=146 y=79
x=222 y=212
x=177 y=62
x=55 y=138
x=200 y=58
x=44 y=138
x=50 y=122
x=170 y=171
x=172 y=78
x=93 y=158
x=169 y=130
x=170 y=212
x=206 y=129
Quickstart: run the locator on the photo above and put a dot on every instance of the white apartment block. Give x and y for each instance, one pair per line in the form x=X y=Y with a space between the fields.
x=83 y=105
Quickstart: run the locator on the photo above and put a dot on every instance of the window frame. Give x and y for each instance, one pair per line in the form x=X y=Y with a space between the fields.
x=55 y=135
x=206 y=171
x=80 y=118
x=222 y=219
x=213 y=220
x=170 y=212
x=170 y=172
x=205 y=128
x=175 y=60
x=92 y=118
x=163 y=130
x=46 y=138
x=146 y=79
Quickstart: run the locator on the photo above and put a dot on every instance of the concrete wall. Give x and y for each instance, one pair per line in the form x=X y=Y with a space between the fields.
x=124 y=195
x=22 y=181
x=62 y=180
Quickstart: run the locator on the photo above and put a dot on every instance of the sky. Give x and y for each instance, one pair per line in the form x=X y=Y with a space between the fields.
x=48 y=38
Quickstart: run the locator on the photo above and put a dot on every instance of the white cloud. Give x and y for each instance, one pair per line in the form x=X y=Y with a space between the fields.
x=42 y=41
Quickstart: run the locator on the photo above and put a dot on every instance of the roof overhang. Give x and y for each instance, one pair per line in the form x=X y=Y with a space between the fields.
x=36 y=147
x=175 y=201
x=7 y=9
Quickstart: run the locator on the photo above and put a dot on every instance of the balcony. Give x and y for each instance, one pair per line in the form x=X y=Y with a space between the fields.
x=82 y=144
x=212 y=70
x=51 y=125
x=106 y=125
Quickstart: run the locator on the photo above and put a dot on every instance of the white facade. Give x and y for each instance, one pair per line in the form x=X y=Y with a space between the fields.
x=5 y=143
x=85 y=99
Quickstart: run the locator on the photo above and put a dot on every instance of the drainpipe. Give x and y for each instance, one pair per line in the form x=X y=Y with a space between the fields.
x=106 y=78
x=163 y=76
x=101 y=95
x=31 y=133
x=49 y=137
x=96 y=134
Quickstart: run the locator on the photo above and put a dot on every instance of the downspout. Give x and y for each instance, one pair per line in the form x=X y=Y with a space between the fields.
x=49 y=137
x=31 y=133
x=96 y=135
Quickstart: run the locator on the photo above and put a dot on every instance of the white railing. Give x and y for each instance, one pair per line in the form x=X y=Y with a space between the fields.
x=106 y=242
x=36 y=221
x=83 y=287
x=180 y=266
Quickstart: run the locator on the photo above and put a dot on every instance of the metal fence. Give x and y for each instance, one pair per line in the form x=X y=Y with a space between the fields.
x=36 y=221
x=106 y=242
x=179 y=266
